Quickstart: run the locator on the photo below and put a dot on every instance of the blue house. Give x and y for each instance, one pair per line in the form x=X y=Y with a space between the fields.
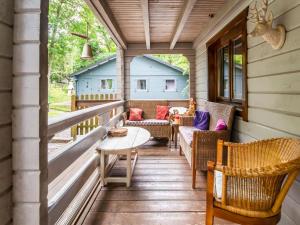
x=150 y=78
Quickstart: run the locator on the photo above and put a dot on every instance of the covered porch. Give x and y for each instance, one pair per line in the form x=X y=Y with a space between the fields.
x=64 y=187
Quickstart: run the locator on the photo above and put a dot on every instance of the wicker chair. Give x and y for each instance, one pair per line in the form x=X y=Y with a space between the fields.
x=201 y=146
x=254 y=180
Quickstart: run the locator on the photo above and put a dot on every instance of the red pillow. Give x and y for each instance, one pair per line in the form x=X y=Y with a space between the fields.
x=135 y=114
x=162 y=112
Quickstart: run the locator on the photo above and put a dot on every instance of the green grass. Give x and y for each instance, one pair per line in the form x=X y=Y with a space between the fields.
x=58 y=93
x=57 y=96
x=62 y=108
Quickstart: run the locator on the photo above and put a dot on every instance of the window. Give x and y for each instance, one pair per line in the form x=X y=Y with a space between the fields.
x=227 y=53
x=170 y=85
x=141 y=85
x=106 y=84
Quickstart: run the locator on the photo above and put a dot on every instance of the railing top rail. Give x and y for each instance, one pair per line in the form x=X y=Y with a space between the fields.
x=60 y=123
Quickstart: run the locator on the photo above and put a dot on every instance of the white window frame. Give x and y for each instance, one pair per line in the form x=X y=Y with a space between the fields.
x=165 y=83
x=106 y=89
x=141 y=90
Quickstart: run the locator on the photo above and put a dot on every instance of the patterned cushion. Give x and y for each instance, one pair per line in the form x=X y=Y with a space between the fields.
x=187 y=133
x=161 y=112
x=148 y=122
x=135 y=114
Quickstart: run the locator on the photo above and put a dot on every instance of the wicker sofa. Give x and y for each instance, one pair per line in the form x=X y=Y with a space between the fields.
x=199 y=146
x=157 y=128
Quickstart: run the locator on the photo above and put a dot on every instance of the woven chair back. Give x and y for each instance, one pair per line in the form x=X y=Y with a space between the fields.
x=220 y=111
x=264 y=166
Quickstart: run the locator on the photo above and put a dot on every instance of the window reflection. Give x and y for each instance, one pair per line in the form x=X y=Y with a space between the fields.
x=237 y=69
x=224 y=72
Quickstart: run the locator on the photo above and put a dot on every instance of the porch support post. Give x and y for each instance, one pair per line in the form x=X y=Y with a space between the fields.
x=30 y=109
x=120 y=74
x=192 y=78
x=127 y=61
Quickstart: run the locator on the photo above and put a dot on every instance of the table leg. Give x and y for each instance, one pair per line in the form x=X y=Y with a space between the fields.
x=128 y=175
x=176 y=135
x=102 y=165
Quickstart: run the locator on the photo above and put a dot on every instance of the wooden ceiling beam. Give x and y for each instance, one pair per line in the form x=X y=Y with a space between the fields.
x=185 y=13
x=105 y=16
x=145 y=11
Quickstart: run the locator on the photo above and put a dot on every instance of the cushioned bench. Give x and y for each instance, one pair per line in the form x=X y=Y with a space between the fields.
x=199 y=146
x=157 y=128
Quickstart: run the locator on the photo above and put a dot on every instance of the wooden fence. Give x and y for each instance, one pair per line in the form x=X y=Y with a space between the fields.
x=86 y=101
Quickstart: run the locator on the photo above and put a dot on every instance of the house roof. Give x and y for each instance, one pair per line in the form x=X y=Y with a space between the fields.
x=113 y=57
x=94 y=65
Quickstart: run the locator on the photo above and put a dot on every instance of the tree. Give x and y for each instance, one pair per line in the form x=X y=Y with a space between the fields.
x=66 y=16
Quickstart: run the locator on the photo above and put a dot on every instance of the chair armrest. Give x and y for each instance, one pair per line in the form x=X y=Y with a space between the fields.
x=210 y=184
x=186 y=120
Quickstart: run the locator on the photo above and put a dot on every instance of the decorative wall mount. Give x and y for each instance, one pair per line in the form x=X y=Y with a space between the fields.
x=263 y=19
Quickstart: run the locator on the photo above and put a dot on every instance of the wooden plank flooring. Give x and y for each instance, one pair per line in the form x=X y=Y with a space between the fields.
x=160 y=193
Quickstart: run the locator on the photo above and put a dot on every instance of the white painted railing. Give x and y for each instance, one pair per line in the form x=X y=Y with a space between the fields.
x=59 y=162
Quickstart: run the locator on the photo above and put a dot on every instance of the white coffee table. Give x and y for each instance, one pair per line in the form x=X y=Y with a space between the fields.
x=122 y=146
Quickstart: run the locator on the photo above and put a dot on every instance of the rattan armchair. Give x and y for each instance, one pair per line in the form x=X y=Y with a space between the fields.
x=255 y=178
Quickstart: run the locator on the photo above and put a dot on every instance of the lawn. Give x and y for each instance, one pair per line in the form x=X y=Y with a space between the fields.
x=58 y=99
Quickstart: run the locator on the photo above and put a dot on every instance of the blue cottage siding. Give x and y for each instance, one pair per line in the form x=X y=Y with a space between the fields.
x=88 y=81
x=144 y=68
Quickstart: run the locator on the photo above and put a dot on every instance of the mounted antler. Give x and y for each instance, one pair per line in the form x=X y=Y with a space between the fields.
x=263 y=20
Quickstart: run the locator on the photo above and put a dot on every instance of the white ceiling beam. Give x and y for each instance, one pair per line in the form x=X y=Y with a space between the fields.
x=185 y=13
x=145 y=11
x=105 y=16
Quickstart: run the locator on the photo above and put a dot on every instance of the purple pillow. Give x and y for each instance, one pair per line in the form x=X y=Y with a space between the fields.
x=221 y=125
x=201 y=120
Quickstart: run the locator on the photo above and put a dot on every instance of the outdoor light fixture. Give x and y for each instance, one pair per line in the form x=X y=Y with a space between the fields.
x=87 y=51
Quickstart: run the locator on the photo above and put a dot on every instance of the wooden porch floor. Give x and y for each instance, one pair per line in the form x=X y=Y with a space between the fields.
x=160 y=193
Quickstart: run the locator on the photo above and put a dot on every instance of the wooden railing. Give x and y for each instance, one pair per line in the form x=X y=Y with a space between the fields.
x=86 y=101
x=86 y=177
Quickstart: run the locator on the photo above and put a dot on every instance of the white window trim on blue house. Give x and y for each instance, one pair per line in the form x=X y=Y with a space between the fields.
x=175 y=81
x=142 y=90
x=106 y=84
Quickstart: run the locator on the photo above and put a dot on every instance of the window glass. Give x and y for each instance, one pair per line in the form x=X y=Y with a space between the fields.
x=109 y=84
x=103 y=84
x=170 y=85
x=223 y=58
x=106 y=84
x=238 y=69
x=141 y=85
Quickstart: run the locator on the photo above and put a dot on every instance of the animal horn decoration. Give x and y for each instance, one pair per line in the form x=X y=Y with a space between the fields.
x=263 y=20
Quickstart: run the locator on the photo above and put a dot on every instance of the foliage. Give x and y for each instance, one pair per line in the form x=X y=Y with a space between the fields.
x=176 y=60
x=66 y=16
x=238 y=59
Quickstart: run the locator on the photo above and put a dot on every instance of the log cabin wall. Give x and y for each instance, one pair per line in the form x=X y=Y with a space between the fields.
x=6 y=51
x=273 y=84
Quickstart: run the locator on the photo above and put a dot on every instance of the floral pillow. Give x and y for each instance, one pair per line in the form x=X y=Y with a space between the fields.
x=135 y=114
x=162 y=112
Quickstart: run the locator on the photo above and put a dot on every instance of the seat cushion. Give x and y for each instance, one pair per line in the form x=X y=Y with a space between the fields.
x=218 y=185
x=147 y=122
x=187 y=133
